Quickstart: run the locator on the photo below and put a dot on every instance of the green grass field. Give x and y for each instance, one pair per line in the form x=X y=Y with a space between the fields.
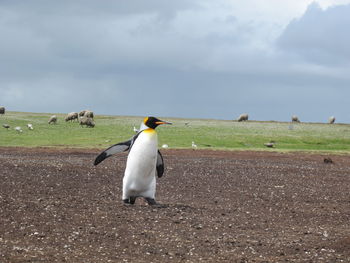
x=208 y=134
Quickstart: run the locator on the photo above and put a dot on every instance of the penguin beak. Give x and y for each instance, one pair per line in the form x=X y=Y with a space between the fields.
x=162 y=122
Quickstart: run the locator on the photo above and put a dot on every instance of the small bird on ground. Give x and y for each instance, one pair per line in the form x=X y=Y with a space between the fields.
x=269 y=144
x=194 y=146
x=6 y=126
x=135 y=130
x=30 y=126
x=165 y=146
x=144 y=162
x=327 y=160
x=18 y=129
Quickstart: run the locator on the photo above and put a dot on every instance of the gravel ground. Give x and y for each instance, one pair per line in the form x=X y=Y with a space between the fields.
x=55 y=206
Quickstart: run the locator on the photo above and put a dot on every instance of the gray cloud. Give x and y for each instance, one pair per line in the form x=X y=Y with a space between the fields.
x=320 y=35
x=181 y=59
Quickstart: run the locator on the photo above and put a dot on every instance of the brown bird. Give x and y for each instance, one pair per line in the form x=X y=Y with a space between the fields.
x=327 y=160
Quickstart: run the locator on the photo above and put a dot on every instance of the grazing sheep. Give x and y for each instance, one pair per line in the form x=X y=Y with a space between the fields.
x=331 y=120
x=18 y=129
x=2 y=110
x=89 y=114
x=6 y=126
x=53 y=119
x=295 y=118
x=86 y=113
x=82 y=113
x=30 y=126
x=71 y=116
x=89 y=122
x=243 y=117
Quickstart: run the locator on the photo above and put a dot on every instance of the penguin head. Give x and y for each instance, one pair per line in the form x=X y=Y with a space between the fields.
x=153 y=122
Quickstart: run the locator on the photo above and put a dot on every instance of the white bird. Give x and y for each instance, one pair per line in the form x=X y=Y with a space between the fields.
x=144 y=162
x=194 y=146
x=30 y=126
x=165 y=146
x=136 y=130
x=270 y=144
x=18 y=129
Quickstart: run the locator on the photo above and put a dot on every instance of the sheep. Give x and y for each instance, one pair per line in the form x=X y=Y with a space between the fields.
x=295 y=118
x=331 y=120
x=2 y=110
x=82 y=113
x=71 y=116
x=53 y=119
x=6 y=126
x=89 y=114
x=89 y=122
x=243 y=117
x=86 y=113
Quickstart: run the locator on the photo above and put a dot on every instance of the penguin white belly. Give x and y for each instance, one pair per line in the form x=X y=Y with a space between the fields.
x=140 y=173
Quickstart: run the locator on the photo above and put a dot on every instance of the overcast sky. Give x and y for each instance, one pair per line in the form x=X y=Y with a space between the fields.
x=183 y=58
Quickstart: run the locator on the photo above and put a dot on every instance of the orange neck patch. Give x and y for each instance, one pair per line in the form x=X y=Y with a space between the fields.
x=150 y=130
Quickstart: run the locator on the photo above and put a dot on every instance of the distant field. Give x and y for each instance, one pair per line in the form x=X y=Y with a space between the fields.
x=209 y=134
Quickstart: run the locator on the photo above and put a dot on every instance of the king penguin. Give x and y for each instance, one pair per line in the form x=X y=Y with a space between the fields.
x=144 y=162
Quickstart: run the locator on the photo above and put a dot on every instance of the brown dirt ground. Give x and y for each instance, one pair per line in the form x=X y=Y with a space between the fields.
x=55 y=206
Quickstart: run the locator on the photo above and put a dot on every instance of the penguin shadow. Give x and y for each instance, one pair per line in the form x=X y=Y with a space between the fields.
x=140 y=203
x=146 y=206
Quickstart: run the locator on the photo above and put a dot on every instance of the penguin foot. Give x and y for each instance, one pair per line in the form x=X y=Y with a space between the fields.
x=150 y=201
x=130 y=201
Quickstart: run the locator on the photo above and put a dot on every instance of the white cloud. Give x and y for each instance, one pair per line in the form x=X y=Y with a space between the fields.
x=180 y=58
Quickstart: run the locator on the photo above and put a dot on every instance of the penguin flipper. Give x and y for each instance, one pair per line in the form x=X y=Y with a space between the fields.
x=160 y=165
x=116 y=148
